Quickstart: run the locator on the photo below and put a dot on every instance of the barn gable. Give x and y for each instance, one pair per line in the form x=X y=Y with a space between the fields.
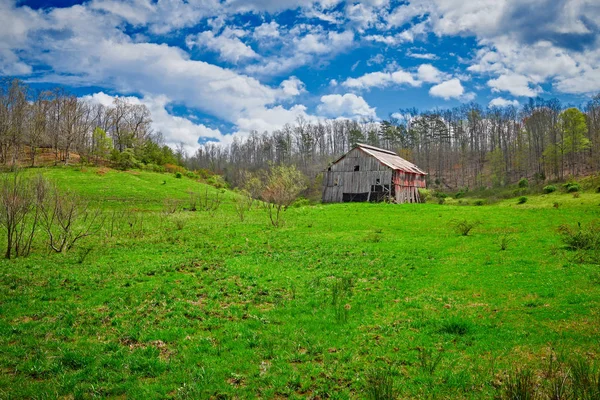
x=368 y=173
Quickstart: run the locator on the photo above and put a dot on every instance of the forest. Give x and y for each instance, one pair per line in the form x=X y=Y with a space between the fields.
x=469 y=146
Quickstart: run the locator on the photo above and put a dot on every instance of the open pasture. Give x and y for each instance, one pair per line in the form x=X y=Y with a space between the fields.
x=342 y=301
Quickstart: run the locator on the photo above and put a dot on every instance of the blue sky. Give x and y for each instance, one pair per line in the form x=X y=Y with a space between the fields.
x=219 y=68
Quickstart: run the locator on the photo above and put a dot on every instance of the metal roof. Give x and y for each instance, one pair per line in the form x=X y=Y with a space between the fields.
x=390 y=159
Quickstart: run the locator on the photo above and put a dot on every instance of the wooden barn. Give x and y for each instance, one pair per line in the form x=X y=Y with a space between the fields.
x=368 y=173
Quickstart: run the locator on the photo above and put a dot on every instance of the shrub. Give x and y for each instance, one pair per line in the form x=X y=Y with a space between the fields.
x=424 y=195
x=523 y=183
x=459 y=194
x=581 y=238
x=301 y=202
x=479 y=202
x=464 y=227
x=522 y=200
x=191 y=175
x=178 y=175
x=217 y=181
x=572 y=187
x=549 y=189
x=441 y=200
x=598 y=189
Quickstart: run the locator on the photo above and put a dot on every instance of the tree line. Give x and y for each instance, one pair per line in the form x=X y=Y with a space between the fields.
x=55 y=120
x=466 y=146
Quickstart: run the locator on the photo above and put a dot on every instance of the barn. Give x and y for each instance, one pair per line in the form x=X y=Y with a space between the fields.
x=368 y=173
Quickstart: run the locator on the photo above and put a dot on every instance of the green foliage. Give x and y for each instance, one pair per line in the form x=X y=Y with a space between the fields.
x=522 y=200
x=124 y=160
x=178 y=175
x=523 y=183
x=549 y=189
x=101 y=145
x=217 y=181
x=379 y=384
x=521 y=385
x=463 y=226
x=571 y=187
x=581 y=237
x=479 y=202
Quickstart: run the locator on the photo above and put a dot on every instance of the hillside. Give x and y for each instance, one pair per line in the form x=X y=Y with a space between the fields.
x=342 y=301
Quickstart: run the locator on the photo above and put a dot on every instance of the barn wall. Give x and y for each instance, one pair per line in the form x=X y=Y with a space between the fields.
x=341 y=178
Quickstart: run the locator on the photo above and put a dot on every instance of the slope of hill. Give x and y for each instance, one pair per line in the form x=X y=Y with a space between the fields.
x=342 y=301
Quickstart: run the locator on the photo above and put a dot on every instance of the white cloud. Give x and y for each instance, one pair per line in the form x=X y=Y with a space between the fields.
x=515 y=84
x=451 y=89
x=292 y=87
x=429 y=73
x=227 y=44
x=347 y=105
x=502 y=102
x=381 y=80
x=267 y=31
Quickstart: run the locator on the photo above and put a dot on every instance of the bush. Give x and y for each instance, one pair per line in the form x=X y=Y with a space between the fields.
x=460 y=194
x=191 y=175
x=217 y=181
x=581 y=238
x=549 y=189
x=424 y=195
x=523 y=183
x=522 y=200
x=301 y=202
x=178 y=175
x=479 y=202
x=572 y=187
x=464 y=227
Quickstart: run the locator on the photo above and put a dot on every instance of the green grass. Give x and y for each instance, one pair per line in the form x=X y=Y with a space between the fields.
x=344 y=300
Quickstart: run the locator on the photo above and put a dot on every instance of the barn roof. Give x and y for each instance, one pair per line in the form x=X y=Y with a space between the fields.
x=388 y=158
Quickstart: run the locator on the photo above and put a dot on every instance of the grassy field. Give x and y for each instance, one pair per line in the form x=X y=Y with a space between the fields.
x=343 y=301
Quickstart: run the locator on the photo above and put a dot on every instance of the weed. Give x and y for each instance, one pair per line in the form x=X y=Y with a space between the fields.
x=479 y=202
x=585 y=379
x=556 y=204
x=522 y=200
x=428 y=361
x=379 y=384
x=464 y=226
x=83 y=253
x=179 y=222
x=520 y=386
x=504 y=240
x=581 y=238
x=455 y=326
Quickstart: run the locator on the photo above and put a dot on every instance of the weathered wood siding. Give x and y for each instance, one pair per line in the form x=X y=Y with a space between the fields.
x=343 y=178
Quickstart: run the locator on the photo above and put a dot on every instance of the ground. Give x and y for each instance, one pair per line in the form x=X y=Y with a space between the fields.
x=340 y=300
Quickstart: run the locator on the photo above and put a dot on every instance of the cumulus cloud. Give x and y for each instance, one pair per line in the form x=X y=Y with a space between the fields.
x=381 y=80
x=515 y=84
x=348 y=105
x=451 y=89
x=292 y=87
x=430 y=74
x=228 y=44
x=502 y=102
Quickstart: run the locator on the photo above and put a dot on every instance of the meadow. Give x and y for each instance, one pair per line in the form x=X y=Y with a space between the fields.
x=342 y=301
